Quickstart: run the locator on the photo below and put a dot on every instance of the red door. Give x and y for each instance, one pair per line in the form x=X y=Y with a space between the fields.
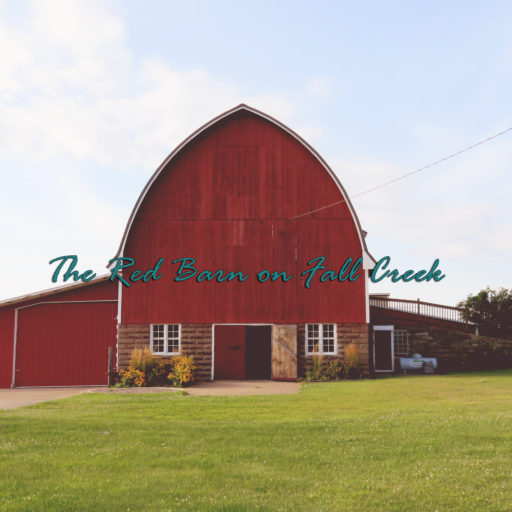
x=229 y=352
x=64 y=344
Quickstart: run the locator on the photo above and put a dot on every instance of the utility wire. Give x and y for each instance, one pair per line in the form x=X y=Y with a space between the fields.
x=407 y=174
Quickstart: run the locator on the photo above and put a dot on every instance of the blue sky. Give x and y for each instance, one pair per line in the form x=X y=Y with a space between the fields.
x=93 y=96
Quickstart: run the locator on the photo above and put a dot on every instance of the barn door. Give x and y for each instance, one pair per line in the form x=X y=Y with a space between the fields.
x=284 y=352
x=64 y=344
x=229 y=352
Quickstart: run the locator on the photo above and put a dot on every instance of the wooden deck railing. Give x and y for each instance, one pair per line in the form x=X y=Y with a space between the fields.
x=418 y=307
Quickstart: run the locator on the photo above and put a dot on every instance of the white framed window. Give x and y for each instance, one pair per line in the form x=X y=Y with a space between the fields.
x=321 y=339
x=166 y=339
x=401 y=338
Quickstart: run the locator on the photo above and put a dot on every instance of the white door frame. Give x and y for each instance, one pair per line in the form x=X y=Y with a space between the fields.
x=390 y=328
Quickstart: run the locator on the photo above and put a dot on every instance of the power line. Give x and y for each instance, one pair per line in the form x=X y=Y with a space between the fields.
x=407 y=174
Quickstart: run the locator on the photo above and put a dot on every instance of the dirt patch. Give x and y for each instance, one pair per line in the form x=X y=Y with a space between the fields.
x=244 y=388
x=219 y=388
x=136 y=390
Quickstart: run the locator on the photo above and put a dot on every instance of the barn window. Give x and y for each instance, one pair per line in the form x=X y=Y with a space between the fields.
x=166 y=338
x=321 y=339
x=401 y=338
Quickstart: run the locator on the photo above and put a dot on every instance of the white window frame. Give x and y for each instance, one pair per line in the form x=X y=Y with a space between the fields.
x=321 y=340
x=166 y=340
x=397 y=339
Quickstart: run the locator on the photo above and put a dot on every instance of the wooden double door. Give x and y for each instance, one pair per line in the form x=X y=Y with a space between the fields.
x=257 y=352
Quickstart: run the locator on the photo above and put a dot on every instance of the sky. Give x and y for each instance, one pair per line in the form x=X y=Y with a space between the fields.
x=94 y=95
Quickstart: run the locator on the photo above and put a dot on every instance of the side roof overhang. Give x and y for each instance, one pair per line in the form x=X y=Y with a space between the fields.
x=52 y=291
x=368 y=260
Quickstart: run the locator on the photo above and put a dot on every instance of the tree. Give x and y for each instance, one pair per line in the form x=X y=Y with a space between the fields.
x=490 y=309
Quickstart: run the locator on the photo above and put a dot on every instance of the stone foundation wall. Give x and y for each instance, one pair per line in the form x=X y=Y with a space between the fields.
x=456 y=351
x=196 y=340
x=347 y=334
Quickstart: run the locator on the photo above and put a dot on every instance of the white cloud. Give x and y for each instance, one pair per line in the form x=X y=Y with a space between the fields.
x=73 y=100
x=69 y=87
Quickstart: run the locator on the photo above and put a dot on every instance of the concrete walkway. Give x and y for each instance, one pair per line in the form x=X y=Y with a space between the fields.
x=12 y=398
x=243 y=388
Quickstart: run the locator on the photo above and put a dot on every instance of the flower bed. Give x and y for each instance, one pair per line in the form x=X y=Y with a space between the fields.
x=335 y=369
x=147 y=370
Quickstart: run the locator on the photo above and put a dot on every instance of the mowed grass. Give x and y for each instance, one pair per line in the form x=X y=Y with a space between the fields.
x=419 y=443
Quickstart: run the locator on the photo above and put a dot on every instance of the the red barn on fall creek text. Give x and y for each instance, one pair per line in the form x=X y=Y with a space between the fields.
x=243 y=193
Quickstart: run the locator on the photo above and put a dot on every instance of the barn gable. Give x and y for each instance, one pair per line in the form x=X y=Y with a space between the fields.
x=233 y=152
x=233 y=196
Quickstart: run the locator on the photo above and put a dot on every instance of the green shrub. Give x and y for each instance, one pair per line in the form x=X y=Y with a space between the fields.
x=182 y=371
x=154 y=368
x=316 y=372
x=145 y=369
x=335 y=370
x=130 y=377
x=353 y=362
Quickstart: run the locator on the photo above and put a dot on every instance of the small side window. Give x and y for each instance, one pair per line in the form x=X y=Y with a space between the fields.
x=165 y=339
x=321 y=339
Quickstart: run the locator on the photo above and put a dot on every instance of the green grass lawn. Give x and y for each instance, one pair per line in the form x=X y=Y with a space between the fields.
x=419 y=443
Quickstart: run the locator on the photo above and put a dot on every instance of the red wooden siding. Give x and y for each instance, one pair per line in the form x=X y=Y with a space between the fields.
x=59 y=344
x=6 y=344
x=228 y=199
x=64 y=344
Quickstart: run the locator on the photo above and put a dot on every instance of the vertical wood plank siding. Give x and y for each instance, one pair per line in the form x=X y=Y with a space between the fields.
x=65 y=344
x=6 y=344
x=227 y=200
x=60 y=344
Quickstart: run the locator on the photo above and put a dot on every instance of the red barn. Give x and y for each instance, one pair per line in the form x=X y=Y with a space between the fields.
x=241 y=194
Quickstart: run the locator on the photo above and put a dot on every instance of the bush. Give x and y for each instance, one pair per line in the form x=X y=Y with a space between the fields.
x=129 y=378
x=145 y=369
x=335 y=370
x=316 y=372
x=143 y=360
x=182 y=371
x=353 y=362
